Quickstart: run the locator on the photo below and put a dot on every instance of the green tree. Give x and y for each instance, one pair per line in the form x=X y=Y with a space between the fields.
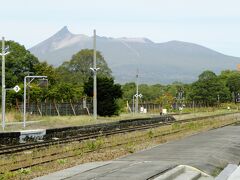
x=166 y=100
x=77 y=70
x=209 y=89
x=233 y=83
x=107 y=95
x=149 y=92
x=13 y=98
x=44 y=69
x=128 y=89
x=64 y=92
x=206 y=75
x=36 y=93
x=18 y=63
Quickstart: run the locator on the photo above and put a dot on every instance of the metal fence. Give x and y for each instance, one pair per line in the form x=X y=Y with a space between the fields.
x=86 y=108
x=61 y=109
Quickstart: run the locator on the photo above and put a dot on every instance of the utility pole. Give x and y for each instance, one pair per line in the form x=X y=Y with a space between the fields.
x=137 y=95
x=133 y=110
x=3 y=83
x=136 y=108
x=94 y=69
x=95 y=77
x=3 y=54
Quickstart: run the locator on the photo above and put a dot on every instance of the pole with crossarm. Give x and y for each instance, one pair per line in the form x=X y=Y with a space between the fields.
x=94 y=69
x=3 y=54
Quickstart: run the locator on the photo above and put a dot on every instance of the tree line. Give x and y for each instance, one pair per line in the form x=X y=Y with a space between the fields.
x=72 y=81
x=67 y=83
x=208 y=90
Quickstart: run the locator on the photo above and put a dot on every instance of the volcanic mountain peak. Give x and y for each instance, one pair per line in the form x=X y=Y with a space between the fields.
x=158 y=62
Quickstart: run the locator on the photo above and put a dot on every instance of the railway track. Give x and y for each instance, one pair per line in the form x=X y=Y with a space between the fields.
x=56 y=155
x=81 y=137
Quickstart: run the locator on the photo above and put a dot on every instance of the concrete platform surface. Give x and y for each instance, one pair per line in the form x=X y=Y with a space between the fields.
x=235 y=175
x=183 y=172
x=207 y=152
x=226 y=172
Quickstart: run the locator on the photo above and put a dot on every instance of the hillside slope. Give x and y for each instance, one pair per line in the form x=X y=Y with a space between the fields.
x=157 y=62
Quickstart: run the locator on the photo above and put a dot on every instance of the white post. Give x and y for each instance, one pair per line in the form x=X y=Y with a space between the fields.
x=3 y=83
x=136 y=108
x=133 y=110
x=24 y=103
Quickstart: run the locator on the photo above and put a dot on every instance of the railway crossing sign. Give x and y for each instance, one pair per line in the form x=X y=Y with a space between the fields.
x=16 y=88
x=138 y=95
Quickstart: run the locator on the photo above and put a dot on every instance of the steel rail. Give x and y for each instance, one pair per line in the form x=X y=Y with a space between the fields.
x=123 y=131
x=80 y=137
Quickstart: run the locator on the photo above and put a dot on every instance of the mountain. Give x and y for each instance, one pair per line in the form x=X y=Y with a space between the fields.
x=157 y=62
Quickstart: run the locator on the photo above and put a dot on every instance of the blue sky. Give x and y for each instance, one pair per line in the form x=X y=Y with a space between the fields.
x=211 y=23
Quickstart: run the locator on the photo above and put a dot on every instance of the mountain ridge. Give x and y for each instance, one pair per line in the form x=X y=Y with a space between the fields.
x=158 y=62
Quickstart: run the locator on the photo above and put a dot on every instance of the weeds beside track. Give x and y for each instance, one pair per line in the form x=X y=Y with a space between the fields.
x=99 y=143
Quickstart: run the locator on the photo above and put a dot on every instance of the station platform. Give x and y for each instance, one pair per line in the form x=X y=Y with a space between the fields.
x=208 y=152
